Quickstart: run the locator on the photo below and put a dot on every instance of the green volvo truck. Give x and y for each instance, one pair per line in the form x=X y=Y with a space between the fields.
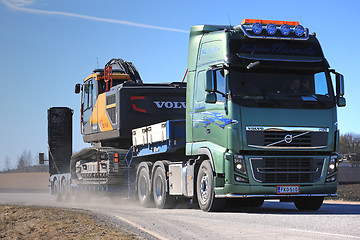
x=259 y=122
x=261 y=107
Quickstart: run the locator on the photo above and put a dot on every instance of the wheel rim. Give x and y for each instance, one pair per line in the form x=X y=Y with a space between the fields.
x=204 y=187
x=159 y=188
x=142 y=187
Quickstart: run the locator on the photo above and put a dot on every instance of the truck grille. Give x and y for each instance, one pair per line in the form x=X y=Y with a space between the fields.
x=287 y=169
x=289 y=138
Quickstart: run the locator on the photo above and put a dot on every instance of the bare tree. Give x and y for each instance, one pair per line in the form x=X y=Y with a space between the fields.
x=24 y=160
x=350 y=148
x=7 y=163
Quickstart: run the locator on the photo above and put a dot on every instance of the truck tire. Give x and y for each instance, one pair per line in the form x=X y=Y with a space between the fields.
x=205 y=189
x=57 y=191
x=64 y=190
x=308 y=203
x=162 y=198
x=143 y=187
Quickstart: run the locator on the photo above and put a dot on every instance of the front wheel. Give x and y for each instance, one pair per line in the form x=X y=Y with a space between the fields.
x=205 y=189
x=309 y=203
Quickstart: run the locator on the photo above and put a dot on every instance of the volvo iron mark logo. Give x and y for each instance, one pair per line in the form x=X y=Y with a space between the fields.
x=288 y=138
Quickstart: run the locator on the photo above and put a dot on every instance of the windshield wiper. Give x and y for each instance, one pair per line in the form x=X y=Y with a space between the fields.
x=253 y=64
x=308 y=98
x=258 y=97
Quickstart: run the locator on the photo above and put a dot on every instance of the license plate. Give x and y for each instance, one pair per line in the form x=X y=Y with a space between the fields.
x=287 y=189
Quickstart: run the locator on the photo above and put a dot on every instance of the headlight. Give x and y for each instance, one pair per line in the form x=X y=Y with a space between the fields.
x=332 y=165
x=239 y=164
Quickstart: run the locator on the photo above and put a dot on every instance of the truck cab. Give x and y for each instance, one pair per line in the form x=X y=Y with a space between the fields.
x=262 y=110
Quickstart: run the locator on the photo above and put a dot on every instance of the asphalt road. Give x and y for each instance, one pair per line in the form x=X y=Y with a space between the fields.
x=274 y=220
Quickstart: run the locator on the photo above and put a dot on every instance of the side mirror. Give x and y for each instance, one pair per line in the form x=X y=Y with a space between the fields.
x=341 y=101
x=77 y=88
x=210 y=97
x=340 y=88
x=209 y=82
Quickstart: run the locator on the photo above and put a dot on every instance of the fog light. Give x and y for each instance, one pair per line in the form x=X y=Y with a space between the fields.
x=241 y=179
x=330 y=179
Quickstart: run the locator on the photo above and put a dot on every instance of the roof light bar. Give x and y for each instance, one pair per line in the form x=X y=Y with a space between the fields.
x=288 y=30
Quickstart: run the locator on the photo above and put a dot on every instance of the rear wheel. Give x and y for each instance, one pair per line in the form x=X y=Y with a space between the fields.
x=161 y=197
x=205 y=189
x=143 y=187
x=309 y=203
x=57 y=191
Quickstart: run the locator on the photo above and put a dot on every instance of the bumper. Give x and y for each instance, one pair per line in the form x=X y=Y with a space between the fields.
x=236 y=191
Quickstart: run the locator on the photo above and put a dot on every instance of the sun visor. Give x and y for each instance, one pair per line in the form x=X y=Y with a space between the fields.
x=276 y=54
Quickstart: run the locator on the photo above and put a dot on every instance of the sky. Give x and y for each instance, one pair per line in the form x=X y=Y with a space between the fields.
x=46 y=47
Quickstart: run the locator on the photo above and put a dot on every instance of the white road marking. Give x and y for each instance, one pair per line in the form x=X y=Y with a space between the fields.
x=324 y=233
x=142 y=229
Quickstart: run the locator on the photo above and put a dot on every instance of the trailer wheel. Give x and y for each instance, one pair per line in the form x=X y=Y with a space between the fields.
x=57 y=191
x=205 y=189
x=161 y=197
x=143 y=187
x=308 y=203
x=64 y=191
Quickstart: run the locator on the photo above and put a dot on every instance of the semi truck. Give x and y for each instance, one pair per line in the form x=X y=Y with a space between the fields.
x=255 y=120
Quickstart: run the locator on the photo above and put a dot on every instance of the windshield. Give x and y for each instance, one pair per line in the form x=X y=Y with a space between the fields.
x=281 y=89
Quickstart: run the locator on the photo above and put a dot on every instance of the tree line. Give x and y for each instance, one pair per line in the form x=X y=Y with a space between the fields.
x=25 y=163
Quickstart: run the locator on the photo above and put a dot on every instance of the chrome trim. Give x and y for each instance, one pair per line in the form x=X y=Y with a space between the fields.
x=284 y=140
x=273 y=128
x=278 y=38
x=275 y=59
x=275 y=196
x=252 y=169
x=317 y=170
x=288 y=148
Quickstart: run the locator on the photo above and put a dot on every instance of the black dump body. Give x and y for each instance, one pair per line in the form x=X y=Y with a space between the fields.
x=139 y=105
x=59 y=139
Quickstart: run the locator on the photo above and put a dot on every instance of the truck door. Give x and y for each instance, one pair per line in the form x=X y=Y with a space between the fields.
x=87 y=105
x=210 y=119
x=199 y=125
x=216 y=114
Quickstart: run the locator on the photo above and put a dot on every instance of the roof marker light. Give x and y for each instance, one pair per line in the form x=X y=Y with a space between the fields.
x=285 y=29
x=256 y=28
x=299 y=30
x=271 y=28
x=249 y=21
